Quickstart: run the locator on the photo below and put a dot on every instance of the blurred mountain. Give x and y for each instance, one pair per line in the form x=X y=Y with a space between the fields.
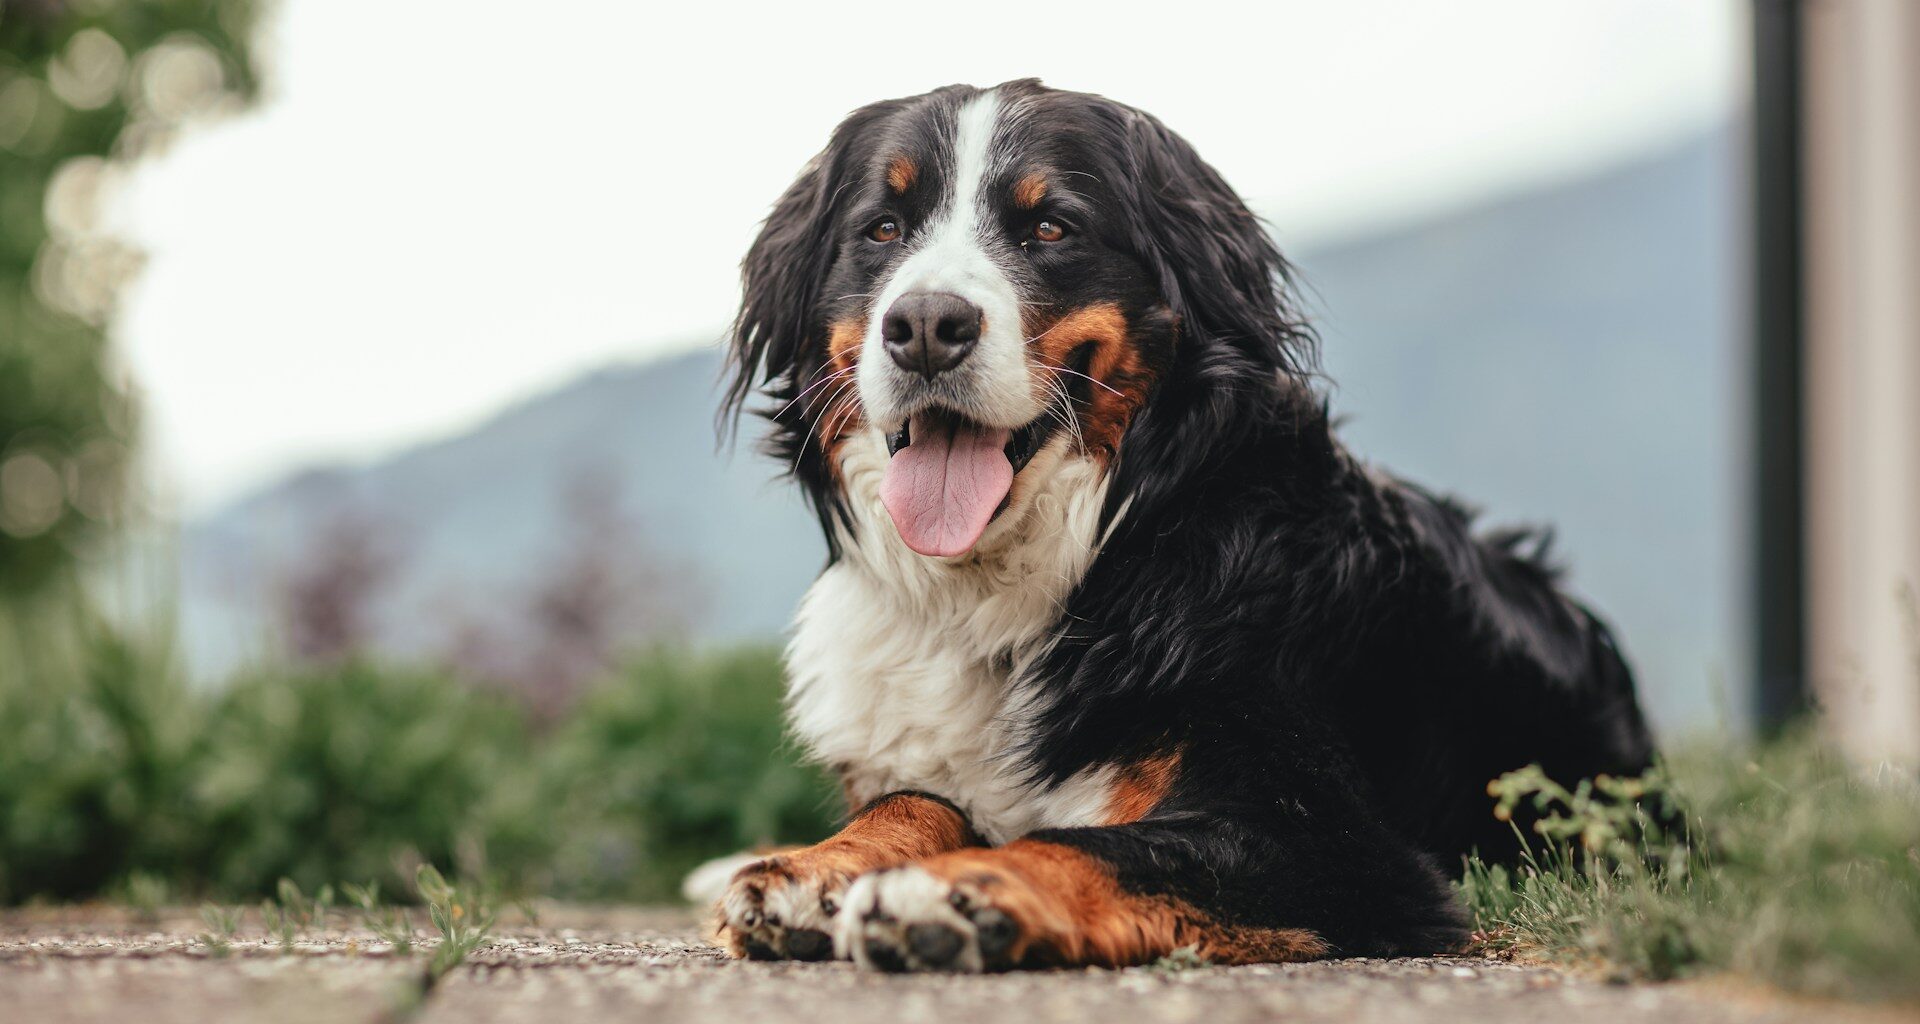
x=474 y=521
x=1564 y=356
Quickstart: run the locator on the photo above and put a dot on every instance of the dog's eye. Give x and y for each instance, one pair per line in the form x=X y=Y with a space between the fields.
x=884 y=230
x=1049 y=231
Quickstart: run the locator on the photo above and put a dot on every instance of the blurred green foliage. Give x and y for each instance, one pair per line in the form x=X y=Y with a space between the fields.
x=97 y=737
x=327 y=774
x=86 y=87
x=112 y=769
x=673 y=761
x=116 y=774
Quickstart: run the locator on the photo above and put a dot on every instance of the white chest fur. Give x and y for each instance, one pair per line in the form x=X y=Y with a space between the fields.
x=902 y=671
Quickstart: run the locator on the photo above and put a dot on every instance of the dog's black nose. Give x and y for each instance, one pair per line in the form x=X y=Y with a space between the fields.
x=929 y=333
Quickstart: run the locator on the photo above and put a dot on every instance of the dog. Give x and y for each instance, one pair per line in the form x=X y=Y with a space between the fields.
x=1117 y=650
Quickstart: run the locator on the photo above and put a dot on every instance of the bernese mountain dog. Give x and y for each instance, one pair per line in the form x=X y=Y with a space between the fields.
x=1117 y=650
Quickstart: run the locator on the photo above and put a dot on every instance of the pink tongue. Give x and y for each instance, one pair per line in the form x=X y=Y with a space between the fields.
x=943 y=487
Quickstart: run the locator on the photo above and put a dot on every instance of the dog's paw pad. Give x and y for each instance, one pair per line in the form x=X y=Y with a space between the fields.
x=770 y=911
x=906 y=919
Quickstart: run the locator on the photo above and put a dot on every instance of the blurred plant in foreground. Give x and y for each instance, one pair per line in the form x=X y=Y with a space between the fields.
x=1793 y=868
x=391 y=925
x=221 y=923
x=86 y=88
x=462 y=914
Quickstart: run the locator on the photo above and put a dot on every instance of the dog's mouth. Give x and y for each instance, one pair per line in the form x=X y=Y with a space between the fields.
x=948 y=476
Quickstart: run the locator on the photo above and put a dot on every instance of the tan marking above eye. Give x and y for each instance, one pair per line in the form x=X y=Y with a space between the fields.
x=901 y=174
x=1028 y=191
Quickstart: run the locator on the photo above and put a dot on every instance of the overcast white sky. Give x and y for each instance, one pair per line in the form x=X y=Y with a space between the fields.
x=444 y=205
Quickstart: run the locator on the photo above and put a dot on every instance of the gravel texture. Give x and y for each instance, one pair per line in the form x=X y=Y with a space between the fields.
x=617 y=964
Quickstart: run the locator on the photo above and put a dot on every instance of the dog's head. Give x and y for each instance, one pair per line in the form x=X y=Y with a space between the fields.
x=993 y=283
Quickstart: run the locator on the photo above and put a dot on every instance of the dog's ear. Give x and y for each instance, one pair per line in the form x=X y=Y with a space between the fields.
x=1217 y=265
x=780 y=285
x=775 y=343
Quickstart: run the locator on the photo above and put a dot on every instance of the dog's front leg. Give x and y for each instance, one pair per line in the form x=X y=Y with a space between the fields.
x=1034 y=903
x=783 y=907
x=1127 y=894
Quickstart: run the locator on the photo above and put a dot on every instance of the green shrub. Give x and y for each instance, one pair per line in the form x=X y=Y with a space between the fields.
x=675 y=760
x=355 y=772
x=117 y=776
x=99 y=745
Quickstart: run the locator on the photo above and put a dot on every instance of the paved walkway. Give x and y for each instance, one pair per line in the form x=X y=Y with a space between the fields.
x=588 y=964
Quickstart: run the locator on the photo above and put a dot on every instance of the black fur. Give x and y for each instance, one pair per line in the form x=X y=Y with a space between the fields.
x=1340 y=662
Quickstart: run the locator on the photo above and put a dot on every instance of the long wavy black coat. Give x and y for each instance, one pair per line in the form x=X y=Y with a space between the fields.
x=1332 y=660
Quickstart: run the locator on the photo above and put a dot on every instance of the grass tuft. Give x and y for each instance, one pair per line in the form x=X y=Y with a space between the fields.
x=1791 y=868
x=463 y=915
x=391 y=925
x=221 y=923
x=1186 y=958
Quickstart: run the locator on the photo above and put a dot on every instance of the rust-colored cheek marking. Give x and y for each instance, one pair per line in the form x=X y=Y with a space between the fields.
x=901 y=173
x=1028 y=191
x=832 y=408
x=843 y=344
x=1119 y=372
x=1072 y=910
x=1138 y=788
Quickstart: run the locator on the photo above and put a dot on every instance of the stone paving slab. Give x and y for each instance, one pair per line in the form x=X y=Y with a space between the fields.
x=620 y=964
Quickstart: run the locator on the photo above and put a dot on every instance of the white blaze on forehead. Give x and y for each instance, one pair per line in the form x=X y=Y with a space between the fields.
x=954 y=252
x=947 y=252
x=972 y=151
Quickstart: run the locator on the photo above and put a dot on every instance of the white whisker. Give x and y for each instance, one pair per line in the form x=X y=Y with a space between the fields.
x=811 y=387
x=828 y=407
x=1061 y=369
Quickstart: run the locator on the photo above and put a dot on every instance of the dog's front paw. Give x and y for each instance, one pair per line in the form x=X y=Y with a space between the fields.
x=781 y=908
x=908 y=919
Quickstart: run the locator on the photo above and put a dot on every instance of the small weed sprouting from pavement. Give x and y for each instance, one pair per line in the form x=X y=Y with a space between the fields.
x=308 y=913
x=461 y=913
x=391 y=925
x=292 y=913
x=221 y=923
x=279 y=925
x=144 y=894
x=323 y=901
x=1186 y=958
